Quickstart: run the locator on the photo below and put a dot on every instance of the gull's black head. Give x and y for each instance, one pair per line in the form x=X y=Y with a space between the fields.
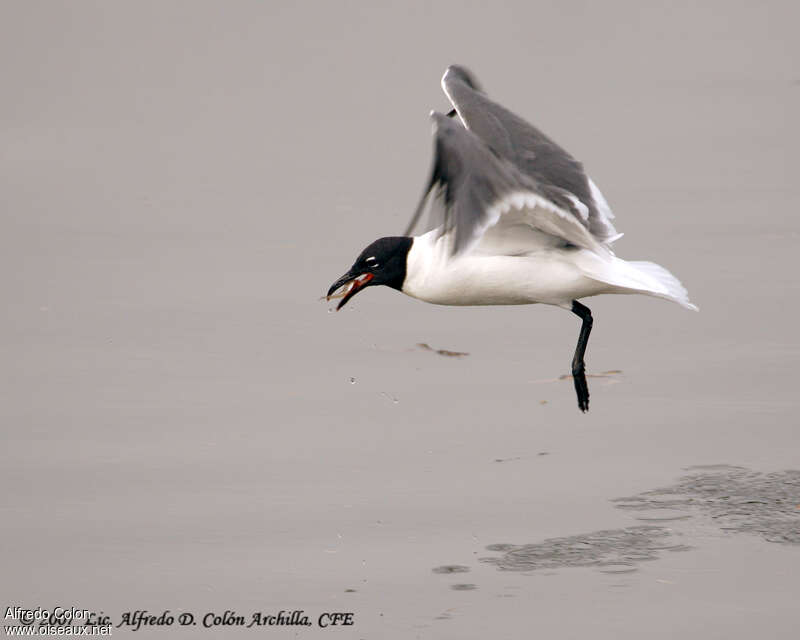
x=382 y=262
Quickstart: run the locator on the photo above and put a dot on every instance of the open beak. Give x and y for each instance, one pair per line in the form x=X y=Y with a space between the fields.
x=350 y=285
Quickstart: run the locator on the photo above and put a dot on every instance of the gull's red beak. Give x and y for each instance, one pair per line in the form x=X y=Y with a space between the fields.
x=350 y=285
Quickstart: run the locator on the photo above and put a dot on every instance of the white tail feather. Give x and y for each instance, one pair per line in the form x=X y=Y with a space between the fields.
x=669 y=286
x=635 y=277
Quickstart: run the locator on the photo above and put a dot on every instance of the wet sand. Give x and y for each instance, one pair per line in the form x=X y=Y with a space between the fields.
x=186 y=427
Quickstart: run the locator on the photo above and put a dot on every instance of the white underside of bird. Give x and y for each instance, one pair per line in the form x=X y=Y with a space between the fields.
x=517 y=264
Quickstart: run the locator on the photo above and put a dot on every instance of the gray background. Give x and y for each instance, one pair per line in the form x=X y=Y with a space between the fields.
x=181 y=181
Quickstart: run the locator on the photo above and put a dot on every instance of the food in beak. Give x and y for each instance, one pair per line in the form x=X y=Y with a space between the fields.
x=342 y=291
x=349 y=289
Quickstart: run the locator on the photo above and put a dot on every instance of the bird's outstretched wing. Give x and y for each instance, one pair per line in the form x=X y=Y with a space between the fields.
x=531 y=152
x=476 y=189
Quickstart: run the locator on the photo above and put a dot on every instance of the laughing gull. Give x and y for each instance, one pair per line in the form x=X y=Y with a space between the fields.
x=515 y=220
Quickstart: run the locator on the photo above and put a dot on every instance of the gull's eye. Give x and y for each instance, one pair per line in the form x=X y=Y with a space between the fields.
x=371 y=262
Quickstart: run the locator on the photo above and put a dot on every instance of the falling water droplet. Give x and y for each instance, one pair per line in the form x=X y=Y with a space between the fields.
x=352 y=380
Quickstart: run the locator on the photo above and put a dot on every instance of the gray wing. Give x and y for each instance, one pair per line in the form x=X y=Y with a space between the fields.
x=478 y=189
x=530 y=150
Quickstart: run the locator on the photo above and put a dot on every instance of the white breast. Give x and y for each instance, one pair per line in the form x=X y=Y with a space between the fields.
x=549 y=276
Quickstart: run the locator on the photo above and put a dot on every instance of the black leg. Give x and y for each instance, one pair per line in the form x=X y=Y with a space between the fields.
x=578 y=365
